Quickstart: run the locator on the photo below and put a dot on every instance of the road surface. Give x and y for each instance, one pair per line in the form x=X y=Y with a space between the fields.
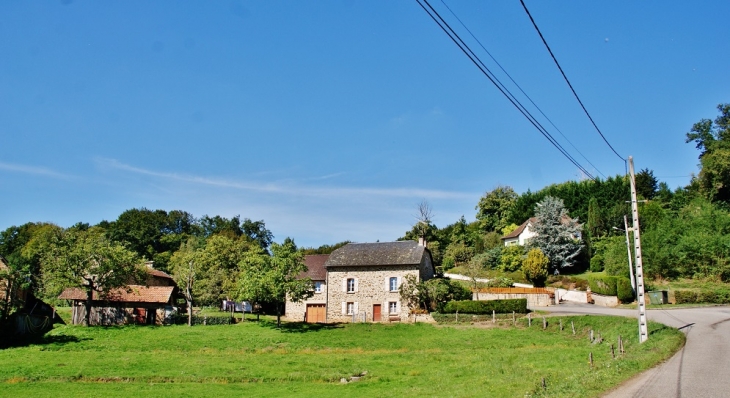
x=700 y=369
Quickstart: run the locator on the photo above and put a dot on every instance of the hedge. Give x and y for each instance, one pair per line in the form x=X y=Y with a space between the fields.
x=718 y=296
x=623 y=290
x=486 y=307
x=605 y=285
x=612 y=286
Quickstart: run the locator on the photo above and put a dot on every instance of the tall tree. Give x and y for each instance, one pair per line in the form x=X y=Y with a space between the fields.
x=91 y=262
x=557 y=235
x=646 y=184
x=713 y=140
x=494 y=208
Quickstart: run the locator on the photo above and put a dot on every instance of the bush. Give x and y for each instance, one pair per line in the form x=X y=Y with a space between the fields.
x=486 y=307
x=597 y=263
x=511 y=259
x=624 y=291
x=535 y=267
x=605 y=285
x=708 y=296
x=448 y=263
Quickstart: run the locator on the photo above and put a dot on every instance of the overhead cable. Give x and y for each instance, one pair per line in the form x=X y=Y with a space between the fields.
x=568 y=81
x=483 y=68
x=518 y=87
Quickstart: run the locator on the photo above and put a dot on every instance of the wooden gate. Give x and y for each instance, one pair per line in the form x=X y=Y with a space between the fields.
x=316 y=313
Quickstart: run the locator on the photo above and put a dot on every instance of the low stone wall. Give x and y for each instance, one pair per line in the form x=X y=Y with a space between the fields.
x=574 y=296
x=604 y=301
x=533 y=300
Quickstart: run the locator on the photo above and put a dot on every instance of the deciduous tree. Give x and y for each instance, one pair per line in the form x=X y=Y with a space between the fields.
x=91 y=262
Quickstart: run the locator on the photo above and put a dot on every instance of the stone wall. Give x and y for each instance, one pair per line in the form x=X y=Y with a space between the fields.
x=533 y=300
x=604 y=301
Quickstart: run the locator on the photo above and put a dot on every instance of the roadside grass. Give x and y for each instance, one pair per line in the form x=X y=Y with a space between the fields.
x=405 y=360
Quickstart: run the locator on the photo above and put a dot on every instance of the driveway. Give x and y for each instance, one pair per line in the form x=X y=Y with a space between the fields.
x=700 y=369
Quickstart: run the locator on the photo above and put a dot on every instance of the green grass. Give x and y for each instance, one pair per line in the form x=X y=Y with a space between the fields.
x=406 y=360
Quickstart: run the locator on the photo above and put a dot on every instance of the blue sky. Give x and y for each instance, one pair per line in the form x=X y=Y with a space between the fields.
x=332 y=120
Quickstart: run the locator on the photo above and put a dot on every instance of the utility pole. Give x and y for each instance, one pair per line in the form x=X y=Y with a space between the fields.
x=643 y=332
x=628 y=249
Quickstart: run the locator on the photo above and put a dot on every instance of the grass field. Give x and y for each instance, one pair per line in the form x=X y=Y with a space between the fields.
x=405 y=360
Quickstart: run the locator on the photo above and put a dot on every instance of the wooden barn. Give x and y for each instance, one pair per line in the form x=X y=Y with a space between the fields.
x=149 y=304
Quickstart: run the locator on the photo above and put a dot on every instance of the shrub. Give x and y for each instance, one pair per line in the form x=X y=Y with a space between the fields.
x=535 y=267
x=716 y=296
x=605 y=285
x=685 y=297
x=500 y=281
x=448 y=263
x=623 y=290
x=597 y=263
x=486 y=307
x=511 y=259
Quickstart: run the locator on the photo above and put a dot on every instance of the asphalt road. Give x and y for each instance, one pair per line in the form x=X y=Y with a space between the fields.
x=700 y=369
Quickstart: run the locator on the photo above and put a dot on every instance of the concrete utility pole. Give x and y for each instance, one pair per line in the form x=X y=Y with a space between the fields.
x=628 y=249
x=643 y=332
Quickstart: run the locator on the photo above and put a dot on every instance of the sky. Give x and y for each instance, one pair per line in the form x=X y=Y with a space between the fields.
x=333 y=120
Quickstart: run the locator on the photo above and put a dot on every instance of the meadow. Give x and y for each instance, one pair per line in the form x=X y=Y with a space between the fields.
x=406 y=360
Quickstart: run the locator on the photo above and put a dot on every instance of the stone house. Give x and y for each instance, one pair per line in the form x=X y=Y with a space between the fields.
x=360 y=281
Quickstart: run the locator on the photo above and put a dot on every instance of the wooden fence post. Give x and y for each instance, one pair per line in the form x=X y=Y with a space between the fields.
x=590 y=358
x=544 y=323
x=561 y=324
x=572 y=327
x=529 y=319
x=494 y=316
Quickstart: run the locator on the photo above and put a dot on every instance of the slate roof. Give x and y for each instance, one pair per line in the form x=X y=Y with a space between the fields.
x=376 y=254
x=138 y=294
x=315 y=267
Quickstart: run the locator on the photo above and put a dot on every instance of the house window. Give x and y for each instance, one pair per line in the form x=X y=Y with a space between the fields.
x=350 y=286
x=393 y=307
x=318 y=287
x=393 y=283
x=350 y=308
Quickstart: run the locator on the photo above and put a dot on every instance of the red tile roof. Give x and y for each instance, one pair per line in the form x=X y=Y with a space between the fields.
x=519 y=229
x=137 y=294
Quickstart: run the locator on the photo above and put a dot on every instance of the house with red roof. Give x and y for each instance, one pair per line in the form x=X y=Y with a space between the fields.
x=150 y=304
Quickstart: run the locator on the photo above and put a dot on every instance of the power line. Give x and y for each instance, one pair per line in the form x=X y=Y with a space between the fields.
x=519 y=88
x=568 y=81
x=479 y=64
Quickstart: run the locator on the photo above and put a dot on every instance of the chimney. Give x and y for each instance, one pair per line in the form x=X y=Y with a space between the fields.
x=422 y=241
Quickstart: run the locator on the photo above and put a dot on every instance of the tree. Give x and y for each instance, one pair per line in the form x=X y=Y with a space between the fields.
x=90 y=261
x=713 y=140
x=186 y=267
x=409 y=291
x=275 y=277
x=535 y=267
x=494 y=208
x=287 y=263
x=557 y=235
x=646 y=184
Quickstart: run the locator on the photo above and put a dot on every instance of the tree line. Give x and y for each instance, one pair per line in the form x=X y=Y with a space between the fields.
x=685 y=231
x=210 y=258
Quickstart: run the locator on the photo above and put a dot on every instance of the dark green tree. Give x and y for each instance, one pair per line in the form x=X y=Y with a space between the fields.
x=713 y=141
x=494 y=208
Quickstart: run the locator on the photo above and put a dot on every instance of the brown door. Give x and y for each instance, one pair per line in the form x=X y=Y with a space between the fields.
x=316 y=313
x=140 y=317
x=376 y=313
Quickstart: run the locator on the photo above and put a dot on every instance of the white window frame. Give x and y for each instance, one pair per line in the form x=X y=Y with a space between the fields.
x=393 y=284
x=318 y=286
x=392 y=307
x=349 y=308
x=350 y=285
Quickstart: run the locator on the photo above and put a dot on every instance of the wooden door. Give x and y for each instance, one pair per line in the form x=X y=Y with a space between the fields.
x=376 y=313
x=316 y=313
x=140 y=317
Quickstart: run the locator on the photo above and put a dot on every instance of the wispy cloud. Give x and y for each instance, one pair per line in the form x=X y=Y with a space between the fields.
x=39 y=171
x=289 y=187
